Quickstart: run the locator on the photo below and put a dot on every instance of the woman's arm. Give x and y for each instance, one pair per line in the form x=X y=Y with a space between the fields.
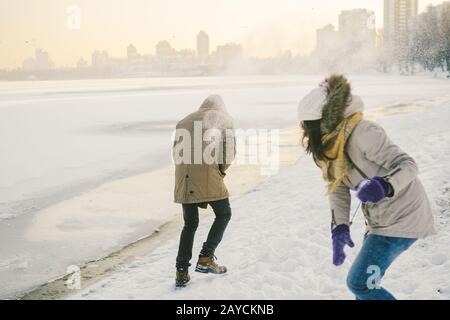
x=378 y=148
x=340 y=202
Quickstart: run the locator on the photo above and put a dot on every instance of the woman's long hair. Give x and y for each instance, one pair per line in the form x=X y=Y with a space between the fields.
x=312 y=140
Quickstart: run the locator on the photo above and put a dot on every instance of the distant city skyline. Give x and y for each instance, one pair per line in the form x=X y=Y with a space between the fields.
x=264 y=28
x=166 y=61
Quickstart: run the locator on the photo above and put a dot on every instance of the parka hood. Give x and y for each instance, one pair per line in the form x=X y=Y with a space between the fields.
x=215 y=113
x=214 y=102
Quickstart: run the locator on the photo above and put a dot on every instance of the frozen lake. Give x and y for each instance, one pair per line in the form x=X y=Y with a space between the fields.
x=62 y=137
x=59 y=139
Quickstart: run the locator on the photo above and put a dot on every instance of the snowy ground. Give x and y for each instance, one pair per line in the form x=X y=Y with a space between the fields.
x=278 y=242
x=66 y=146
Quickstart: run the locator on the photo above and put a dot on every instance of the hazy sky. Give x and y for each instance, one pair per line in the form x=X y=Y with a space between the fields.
x=264 y=27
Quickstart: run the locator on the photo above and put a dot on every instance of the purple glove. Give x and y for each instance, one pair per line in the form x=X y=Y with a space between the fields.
x=373 y=190
x=341 y=237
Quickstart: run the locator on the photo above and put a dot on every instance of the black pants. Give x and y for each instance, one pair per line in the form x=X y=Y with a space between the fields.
x=222 y=211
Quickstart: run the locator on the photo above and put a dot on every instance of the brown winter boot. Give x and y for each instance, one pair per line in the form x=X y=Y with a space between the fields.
x=207 y=265
x=182 y=278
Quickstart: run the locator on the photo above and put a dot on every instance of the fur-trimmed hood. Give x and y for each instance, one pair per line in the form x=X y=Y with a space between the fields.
x=332 y=116
x=331 y=102
x=340 y=103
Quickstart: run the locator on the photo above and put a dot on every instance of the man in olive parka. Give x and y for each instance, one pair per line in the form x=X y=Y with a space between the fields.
x=203 y=150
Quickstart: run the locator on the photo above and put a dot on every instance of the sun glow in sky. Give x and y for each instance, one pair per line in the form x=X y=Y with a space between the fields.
x=264 y=27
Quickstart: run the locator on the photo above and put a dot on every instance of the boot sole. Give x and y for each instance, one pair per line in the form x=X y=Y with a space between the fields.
x=181 y=285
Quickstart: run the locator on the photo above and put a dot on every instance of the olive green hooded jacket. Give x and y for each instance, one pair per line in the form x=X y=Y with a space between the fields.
x=205 y=147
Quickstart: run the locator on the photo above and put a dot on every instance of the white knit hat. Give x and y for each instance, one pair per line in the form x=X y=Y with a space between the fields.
x=310 y=107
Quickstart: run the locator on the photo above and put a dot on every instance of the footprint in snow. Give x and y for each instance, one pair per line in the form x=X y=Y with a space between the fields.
x=438 y=259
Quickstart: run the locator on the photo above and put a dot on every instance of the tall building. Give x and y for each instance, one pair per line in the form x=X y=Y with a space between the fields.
x=357 y=26
x=398 y=15
x=326 y=38
x=100 y=59
x=132 y=53
x=164 y=50
x=40 y=62
x=440 y=9
x=203 y=46
x=228 y=54
x=82 y=64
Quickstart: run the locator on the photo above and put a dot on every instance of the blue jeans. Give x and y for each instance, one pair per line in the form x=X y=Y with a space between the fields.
x=375 y=257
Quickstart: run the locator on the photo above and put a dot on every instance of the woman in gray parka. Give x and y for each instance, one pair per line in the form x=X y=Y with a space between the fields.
x=356 y=154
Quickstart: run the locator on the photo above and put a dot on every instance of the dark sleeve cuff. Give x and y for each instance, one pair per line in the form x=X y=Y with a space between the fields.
x=390 y=190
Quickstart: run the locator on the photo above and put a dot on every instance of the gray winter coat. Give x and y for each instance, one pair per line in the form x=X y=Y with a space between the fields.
x=407 y=213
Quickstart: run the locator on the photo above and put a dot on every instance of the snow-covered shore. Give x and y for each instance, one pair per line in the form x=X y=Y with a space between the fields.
x=104 y=221
x=278 y=242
